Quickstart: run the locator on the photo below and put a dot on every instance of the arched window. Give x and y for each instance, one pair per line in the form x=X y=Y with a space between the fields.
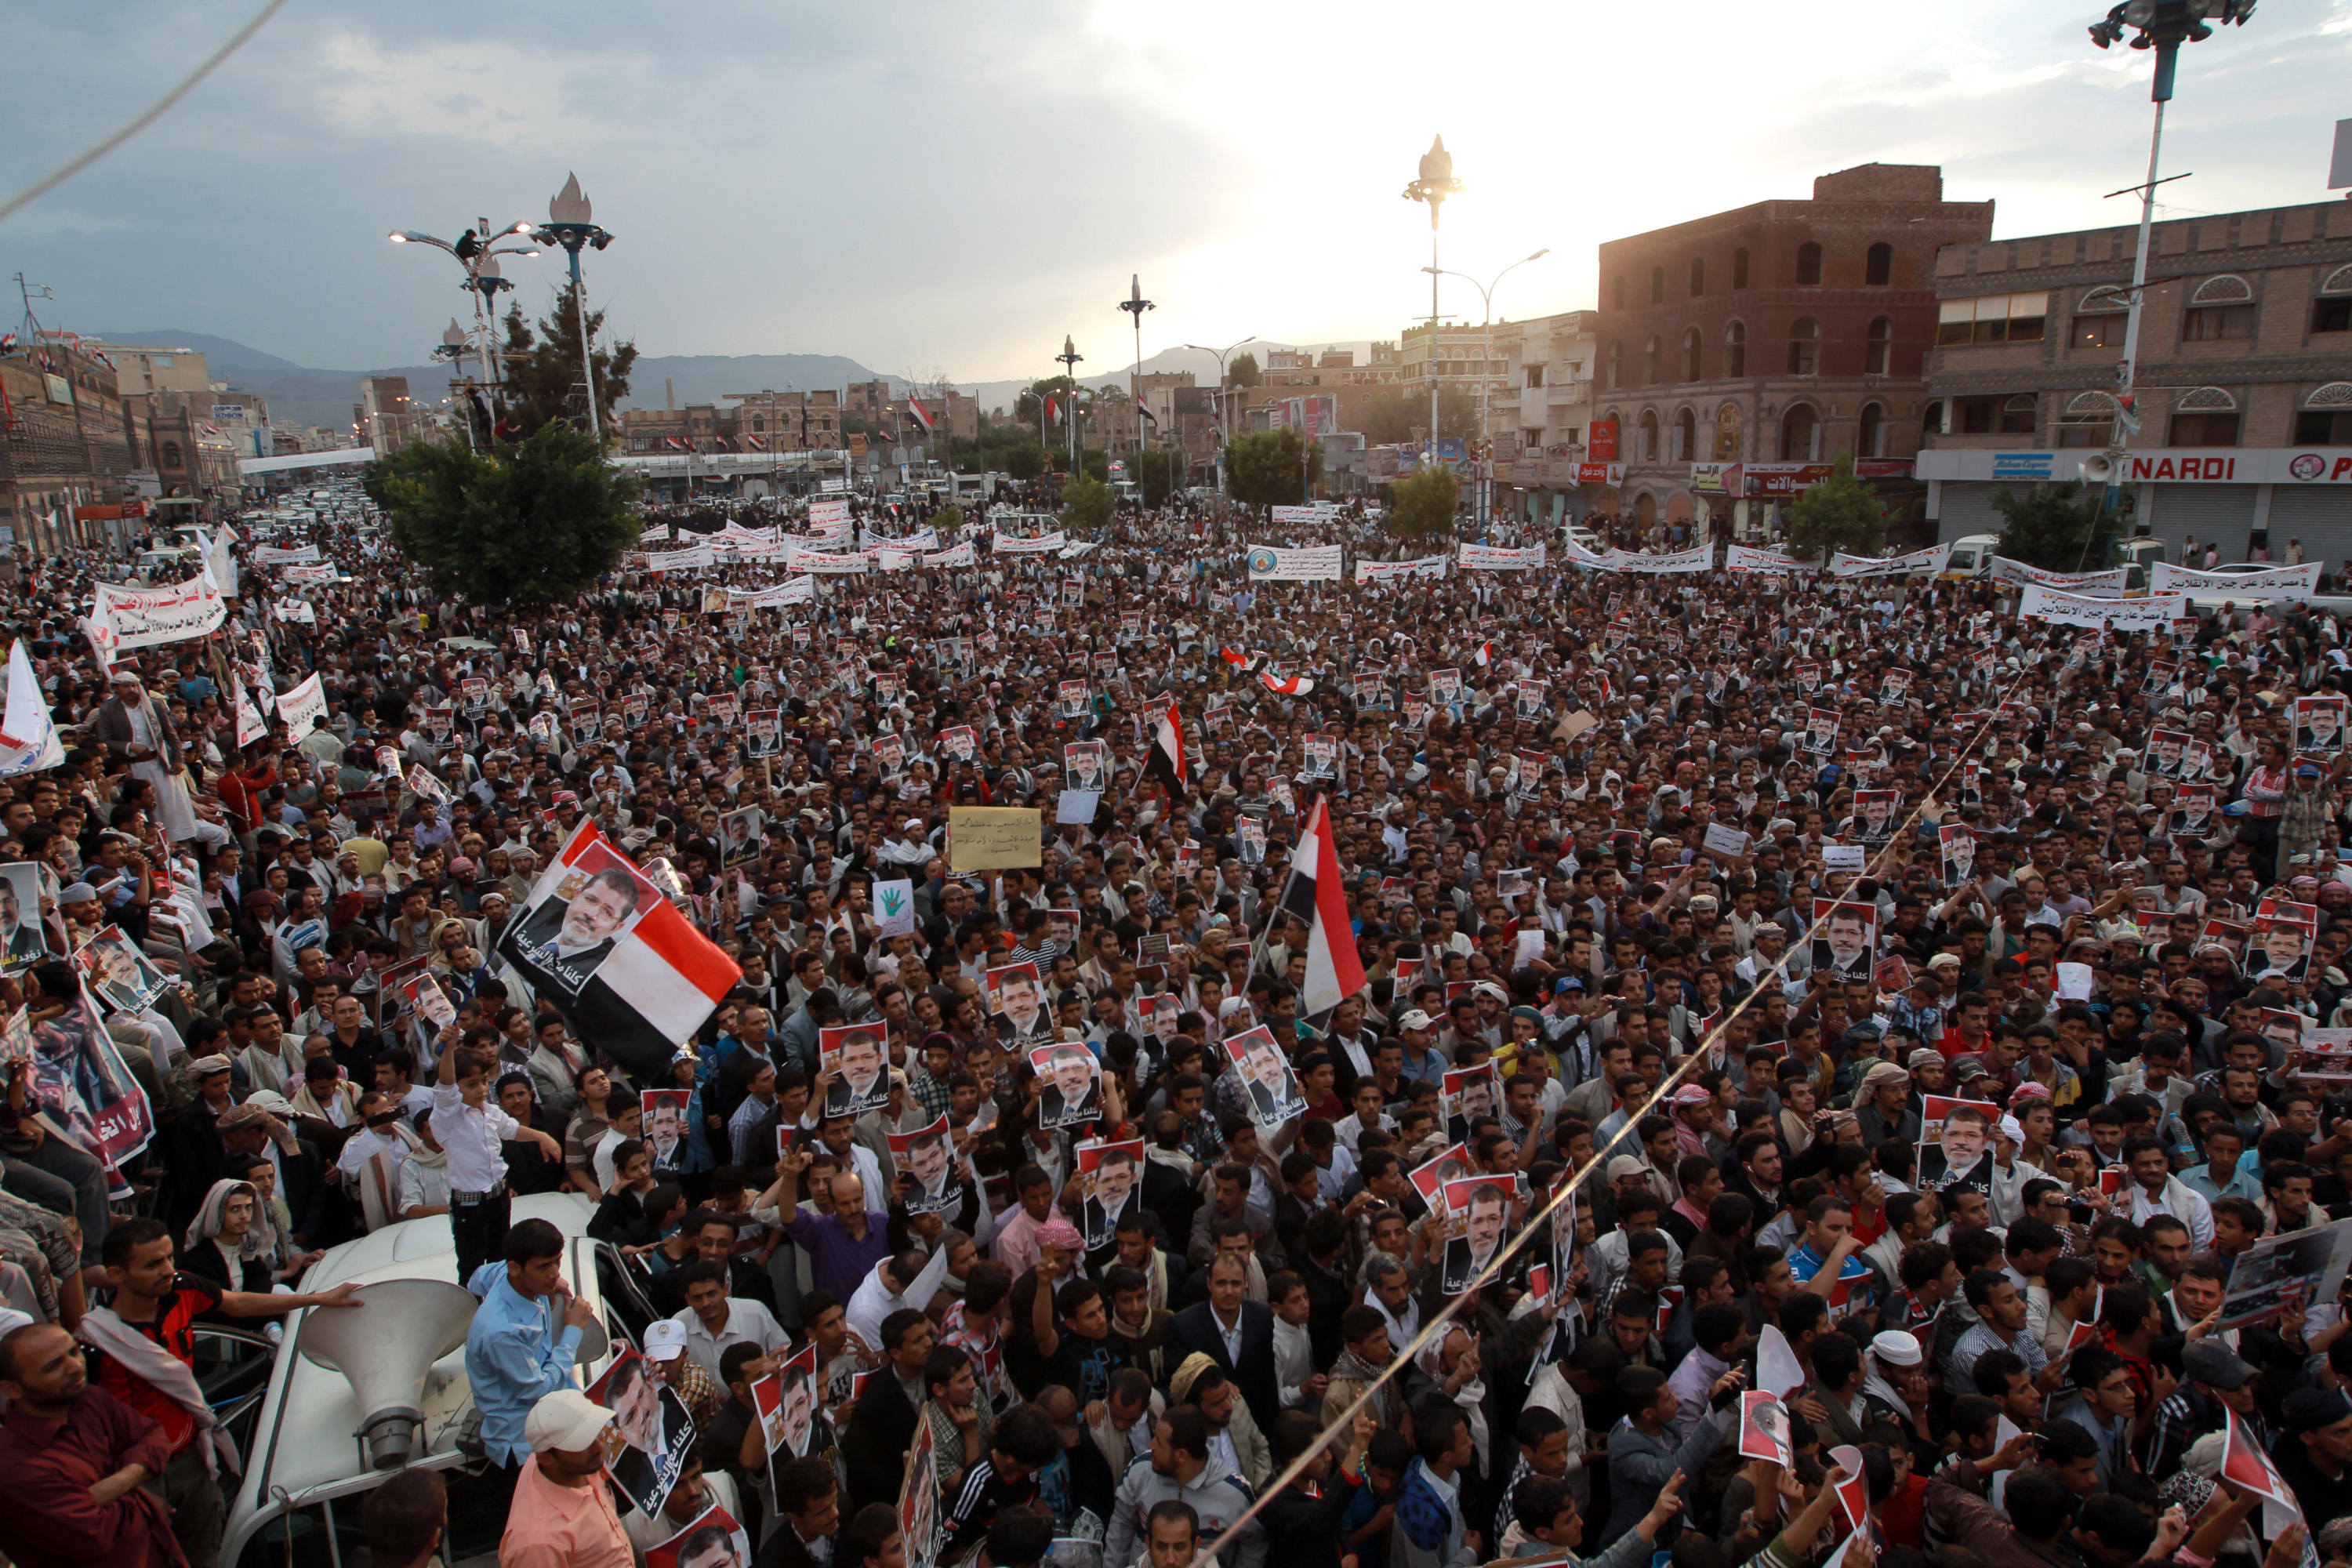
x=2226 y=290
x=1871 y=442
x=1727 y=433
x=1804 y=347
x=1657 y=285
x=1931 y=417
x=1617 y=292
x=1650 y=361
x=2332 y=312
x=1685 y=437
x=2205 y=417
x=1808 y=263
x=1645 y=510
x=171 y=454
x=1740 y=268
x=1735 y=347
x=1799 y=434
x=1878 y=265
x=1646 y=437
x=2325 y=418
x=1617 y=365
x=1880 y=354
x=2018 y=413
x=759 y=425
x=1690 y=354
x=1698 y=276
x=2219 y=308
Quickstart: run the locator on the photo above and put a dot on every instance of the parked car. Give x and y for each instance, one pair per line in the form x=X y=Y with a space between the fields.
x=306 y=1477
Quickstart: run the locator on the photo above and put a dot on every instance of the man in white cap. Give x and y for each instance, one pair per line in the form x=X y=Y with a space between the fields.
x=1892 y=1355
x=562 y=1515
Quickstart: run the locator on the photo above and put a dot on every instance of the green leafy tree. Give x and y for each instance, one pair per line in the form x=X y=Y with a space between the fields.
x=1839 y=512
x=947 y=520
x=1060 y=388
x=530 y=524
x=1396 y=415
x=2059 y=528
x=1242 y=371
x=1262 y=468
x=1023 y=462
x=543 y=367
x=1158 y=473
x=1086 y=503
x=1425 y=502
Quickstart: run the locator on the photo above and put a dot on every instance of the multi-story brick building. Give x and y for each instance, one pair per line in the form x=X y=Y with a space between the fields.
x=1784 y=333
x=756 y=422
x=64 y=443
x=2243 y=383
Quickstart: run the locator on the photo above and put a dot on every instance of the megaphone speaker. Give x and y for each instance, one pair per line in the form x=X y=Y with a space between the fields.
x=2099 y=469
x=385 y=1346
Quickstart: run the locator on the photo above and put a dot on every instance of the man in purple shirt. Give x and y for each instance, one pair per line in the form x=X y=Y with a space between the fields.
x=842 y=1245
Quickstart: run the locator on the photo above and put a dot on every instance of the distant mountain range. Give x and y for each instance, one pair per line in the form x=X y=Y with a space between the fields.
x=302 y=395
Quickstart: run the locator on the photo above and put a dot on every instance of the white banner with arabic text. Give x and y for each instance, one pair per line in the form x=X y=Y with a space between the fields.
x=2154 y=614
x=2095 y=583
x=1489 y=558
x=2275 y=583
x=1930 y=561
x=142 y=617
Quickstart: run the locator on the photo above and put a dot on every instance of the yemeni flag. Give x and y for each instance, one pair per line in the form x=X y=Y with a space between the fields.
x=1144 y=409
x=1053 y=410
x=922 y=414
x=1240 y=659
x=1486 y=655
x=1171 y=761
x=1314 y=895
x=602 y=942
x=1296 y=686
x=758 y=443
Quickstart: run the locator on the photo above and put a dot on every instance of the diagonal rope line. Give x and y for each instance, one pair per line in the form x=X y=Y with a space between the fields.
x=41 y=187
x=1566 y=1191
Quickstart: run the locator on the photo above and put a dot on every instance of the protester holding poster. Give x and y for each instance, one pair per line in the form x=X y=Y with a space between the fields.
x=856 y=1070
x=1272 y=1086
x=1110 y=1176
x=1072 y=1092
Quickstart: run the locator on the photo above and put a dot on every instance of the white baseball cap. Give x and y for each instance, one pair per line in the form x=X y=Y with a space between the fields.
x=666 y=1339
x=566 y=1419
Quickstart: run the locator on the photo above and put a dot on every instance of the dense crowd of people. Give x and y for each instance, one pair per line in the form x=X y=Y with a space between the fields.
x=1838 y=1071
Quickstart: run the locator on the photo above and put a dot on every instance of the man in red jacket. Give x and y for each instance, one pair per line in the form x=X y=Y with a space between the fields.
x=78 y=1463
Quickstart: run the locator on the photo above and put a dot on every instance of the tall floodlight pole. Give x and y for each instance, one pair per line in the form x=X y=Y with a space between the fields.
x=1225 y=427
x=477 y=252
x=1437 y=183
x=569 y=224
x=1070 y=359
x=2162 y=25
x=1135 y=304
x=1487 y=331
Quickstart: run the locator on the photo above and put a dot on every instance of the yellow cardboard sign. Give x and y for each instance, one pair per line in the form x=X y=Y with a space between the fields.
x=991 y=838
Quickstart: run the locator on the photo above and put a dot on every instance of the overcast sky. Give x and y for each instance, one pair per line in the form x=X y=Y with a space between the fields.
x=933 y=187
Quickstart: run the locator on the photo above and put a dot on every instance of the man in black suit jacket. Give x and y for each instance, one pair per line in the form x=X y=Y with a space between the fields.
x=1203 y=1327
x=881 y=1431
x=320 y=1216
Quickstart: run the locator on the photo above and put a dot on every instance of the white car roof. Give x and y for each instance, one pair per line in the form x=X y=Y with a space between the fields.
x=304 y=1437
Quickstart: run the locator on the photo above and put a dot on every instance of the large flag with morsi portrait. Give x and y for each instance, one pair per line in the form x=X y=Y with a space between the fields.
x=600 y=942
x=1314 y=894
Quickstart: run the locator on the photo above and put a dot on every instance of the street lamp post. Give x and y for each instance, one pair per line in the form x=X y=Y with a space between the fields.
x=1135 y=304
x=1069 y=359
x=476 y=251
x=2162 y=25
x=1437 y=183
x=1487 y=331
x=569 y=224
x=1225 y=427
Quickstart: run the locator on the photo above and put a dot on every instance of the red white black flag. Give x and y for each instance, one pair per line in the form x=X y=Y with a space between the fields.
x=1170 y=762
x=1296 y=686
x=1315 y=895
